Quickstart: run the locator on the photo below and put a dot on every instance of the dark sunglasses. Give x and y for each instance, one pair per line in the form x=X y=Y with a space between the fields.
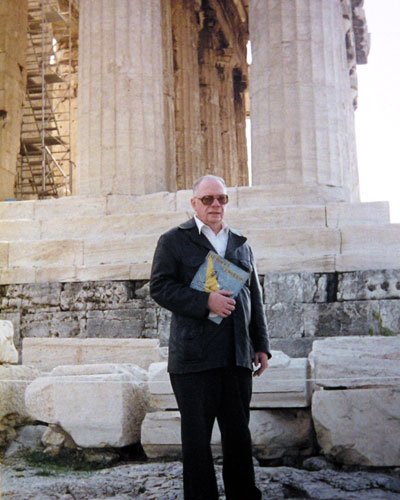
x=209 y=200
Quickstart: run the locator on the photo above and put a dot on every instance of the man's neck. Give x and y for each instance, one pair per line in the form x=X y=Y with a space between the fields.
x=216 y=228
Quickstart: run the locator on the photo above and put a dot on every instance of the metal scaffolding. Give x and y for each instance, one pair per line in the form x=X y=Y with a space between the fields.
x=45 y=166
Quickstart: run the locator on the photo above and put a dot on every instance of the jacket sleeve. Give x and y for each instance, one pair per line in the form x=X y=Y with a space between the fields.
x=166 y=288
x=258 y=325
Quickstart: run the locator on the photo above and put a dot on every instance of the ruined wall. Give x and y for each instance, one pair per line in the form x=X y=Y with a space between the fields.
x=109 y=309
x=300 y=307
x=13 y=26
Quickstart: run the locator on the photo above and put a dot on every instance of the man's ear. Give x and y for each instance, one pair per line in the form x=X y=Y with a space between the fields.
x=193 y=203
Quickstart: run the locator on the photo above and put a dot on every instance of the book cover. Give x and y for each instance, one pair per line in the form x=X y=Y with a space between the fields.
x=217 y=273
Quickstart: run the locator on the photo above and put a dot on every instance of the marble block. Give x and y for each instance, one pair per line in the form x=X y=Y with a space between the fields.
x=47 y=353
x=97 y=405
x=359 y=426
x=349 y=362
x=8 y=352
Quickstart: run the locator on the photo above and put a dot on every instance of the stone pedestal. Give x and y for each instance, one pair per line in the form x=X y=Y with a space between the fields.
x=301 y=101
x=121 y=146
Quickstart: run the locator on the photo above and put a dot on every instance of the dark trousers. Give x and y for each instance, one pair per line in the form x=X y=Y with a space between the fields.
x=224 y=394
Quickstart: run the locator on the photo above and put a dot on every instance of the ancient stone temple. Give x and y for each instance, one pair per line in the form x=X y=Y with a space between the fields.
x=109 y=111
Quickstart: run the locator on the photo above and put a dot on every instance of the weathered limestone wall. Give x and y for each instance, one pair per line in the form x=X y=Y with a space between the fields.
x=113 y=309
x=13 y=26
x=300 y=307
x=121 y=145
x=84 y=310
x=301 y=100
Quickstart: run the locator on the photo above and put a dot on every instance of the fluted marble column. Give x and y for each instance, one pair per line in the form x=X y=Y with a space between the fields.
x=121 y=146
x=239 y=85
x=227 y=119
x=301 y=102
x=187 y=93
x=13 y=26
x=210 y=112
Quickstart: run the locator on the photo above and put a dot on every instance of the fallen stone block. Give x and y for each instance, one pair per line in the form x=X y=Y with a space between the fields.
x=275 y=434
x=28 y=437
x=8 y=352
x=348 y=362
x=281 y=433
x=13 y=382
x=47 y=353
x=97 y=405
x=161 y=435
x=359 y=426
x=283 y=385
x=160 y=389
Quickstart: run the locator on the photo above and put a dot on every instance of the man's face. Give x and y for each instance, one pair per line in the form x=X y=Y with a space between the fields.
x=213 y=214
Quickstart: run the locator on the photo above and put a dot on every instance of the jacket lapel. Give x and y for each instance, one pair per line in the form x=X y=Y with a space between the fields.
x=191 y=230
x=235 y=240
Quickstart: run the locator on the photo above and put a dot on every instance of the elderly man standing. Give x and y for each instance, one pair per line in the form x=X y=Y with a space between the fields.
x=211 y=365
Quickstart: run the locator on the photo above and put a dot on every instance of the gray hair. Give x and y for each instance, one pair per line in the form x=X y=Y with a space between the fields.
x=207 y=177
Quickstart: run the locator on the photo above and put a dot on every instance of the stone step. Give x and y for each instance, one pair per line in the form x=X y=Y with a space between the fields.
x=122 y=226
x=267 y=243
x=285 y=250
x=156 y=203
x=38 y=226
x=62 y=273
x=372 y=247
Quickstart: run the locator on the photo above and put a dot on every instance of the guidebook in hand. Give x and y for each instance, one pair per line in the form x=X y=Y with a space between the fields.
x=217 y=273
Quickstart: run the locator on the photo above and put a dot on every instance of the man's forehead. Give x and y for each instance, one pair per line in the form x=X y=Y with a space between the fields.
x=210 y=184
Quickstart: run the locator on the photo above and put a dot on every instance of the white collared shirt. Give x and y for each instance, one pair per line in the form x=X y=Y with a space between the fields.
x=218 y=241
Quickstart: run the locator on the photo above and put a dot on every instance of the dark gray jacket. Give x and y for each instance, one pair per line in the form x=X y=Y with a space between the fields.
x=195 y=342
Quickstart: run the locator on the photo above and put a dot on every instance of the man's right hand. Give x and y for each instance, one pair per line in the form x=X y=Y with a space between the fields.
x=221 y=303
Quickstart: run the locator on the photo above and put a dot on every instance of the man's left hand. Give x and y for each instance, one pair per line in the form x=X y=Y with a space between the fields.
x=261 y=363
